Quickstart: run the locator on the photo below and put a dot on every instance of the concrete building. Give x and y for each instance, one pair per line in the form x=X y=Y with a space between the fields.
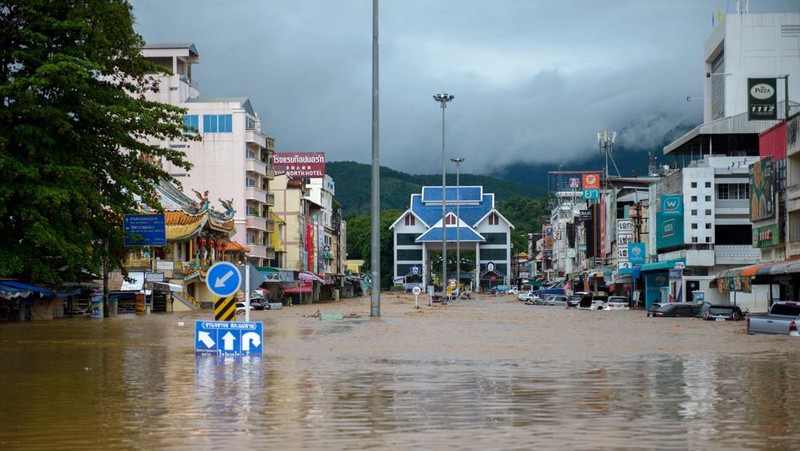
x=330 y=228
x=234 y=158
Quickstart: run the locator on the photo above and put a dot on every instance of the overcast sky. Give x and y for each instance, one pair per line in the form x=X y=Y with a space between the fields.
x=533 y=80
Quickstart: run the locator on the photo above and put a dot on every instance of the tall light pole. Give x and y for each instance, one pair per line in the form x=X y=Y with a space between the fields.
x=443 y=99
x=375 y=243
x=458 y=161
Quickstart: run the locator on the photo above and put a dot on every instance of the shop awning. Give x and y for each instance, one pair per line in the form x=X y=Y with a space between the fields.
x=782 y=268
x=12 y=289
x=309 y=277
x=660 y=266
x=298 y=290
x=164 y=286
x=276 y=274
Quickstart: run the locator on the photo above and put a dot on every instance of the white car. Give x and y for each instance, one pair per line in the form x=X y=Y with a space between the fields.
x=526 y=296
x=617 y=303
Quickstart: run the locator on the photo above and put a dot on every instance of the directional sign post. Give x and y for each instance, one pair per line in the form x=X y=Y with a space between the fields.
x=224 y=279
x=229 y=338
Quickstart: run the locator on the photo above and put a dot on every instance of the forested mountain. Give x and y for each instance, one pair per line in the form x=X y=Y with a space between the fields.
x=353 y=186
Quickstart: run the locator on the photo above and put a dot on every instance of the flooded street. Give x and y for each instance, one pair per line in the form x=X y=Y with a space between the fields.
x=487 y=373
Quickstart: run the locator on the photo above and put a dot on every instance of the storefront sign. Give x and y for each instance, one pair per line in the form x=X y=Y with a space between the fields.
x=766 y=236
x=762 y=99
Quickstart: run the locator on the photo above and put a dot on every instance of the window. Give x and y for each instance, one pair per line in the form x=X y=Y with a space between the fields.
x=493 y=254
x=708 y=225
x=217 y=123
x=410 y=220
x=406 y=238
x=450 y=220
x=694 y=239
x=249 y=183
x=708 y=198
x=708 y=239
x=409 y=254
x=494 y=219
x=694 y=184
x=708 y=212
x=694 y=212
x=694 y=226
x=733 y=191
x=694 y=198
x=495 y=238
x=708 y=184
x=252 y=211
x=190 y=123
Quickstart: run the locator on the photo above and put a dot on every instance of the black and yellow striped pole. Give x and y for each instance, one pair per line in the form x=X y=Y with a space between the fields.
x=225 y=308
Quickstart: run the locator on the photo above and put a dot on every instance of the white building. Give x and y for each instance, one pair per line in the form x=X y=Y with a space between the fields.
x=330 y=227
x=234 y=159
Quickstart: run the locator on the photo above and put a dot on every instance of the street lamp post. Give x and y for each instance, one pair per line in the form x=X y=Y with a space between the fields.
x=443 y=99
x=458 y=161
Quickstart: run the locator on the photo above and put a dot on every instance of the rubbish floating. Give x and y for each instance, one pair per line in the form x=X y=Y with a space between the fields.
x=677 y=324
x=330 y=316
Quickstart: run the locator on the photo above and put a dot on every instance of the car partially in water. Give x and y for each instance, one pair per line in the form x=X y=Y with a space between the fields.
x=716 y=312
x=617 y=303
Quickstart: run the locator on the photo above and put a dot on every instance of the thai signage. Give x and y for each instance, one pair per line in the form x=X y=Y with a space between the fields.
x=766 y=236
x=300 y=164
x=762 y=99
x=591 y=181
x=762 y=190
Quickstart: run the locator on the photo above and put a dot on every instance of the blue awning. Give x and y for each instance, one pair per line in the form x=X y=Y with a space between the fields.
x=13 y=288
x=661 y=266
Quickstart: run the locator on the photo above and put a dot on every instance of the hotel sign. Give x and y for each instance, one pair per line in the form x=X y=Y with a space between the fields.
x=300 y=164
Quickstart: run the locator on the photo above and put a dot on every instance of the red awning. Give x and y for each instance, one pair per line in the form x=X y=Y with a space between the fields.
x=295 y=290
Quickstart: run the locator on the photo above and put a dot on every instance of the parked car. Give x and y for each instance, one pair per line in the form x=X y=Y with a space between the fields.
x=575 y=299
x=241 y=308
x=715 y=312
x=526 y=296
x=675 y=309
x=781 y=319
x=557 y=300
x=598 y=302
x=617 y=303
x=258 y=303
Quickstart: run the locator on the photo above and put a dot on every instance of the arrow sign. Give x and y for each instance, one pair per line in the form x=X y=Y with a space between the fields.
x=205 y=337
x=228 y=339
x=248 y=338
x=223 y=279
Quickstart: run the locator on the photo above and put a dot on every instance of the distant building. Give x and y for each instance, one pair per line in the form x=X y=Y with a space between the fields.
x=483 y=233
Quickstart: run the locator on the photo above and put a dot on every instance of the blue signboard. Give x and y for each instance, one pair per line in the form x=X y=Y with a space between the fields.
x=591 y=194
x=223 y=279
x=637 y=253
x=144 y=230
x=229 y=338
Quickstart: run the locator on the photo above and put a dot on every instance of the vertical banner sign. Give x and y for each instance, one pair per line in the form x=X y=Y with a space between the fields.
x=670 y=221
x=762 y=99
x=762 y=191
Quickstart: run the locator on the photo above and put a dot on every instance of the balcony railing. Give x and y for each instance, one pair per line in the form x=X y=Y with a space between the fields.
x=793 y=198
x=269 y=225
x=270 y=199
x=793 y=249
x=257 y=166
x=736 y=254
x=256 y=222
x=269 y=253
x=256 y=194
x=270 y=172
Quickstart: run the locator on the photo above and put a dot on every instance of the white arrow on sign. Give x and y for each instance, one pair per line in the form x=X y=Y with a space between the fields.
x=250 y=337
x=205 y=337
x=221 y=280
x=229 y=339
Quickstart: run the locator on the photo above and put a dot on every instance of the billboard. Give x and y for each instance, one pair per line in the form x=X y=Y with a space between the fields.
x=670 y=221
x=762 y=99
x=300 y=164
x=762 y=190
x=591 y=181
x=766 y=236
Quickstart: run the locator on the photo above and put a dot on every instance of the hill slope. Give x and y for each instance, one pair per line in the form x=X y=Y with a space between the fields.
x=353 y=186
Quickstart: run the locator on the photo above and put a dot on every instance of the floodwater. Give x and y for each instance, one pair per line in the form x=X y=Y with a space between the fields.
x=486 y=373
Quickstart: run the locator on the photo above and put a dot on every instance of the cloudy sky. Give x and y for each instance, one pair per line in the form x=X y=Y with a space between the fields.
x=533 y=80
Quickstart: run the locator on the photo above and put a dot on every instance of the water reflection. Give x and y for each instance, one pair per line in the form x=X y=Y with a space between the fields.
x=136 y=383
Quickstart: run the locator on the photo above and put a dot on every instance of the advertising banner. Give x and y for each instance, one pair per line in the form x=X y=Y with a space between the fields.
x=591 y=181
x=670 y=222
x=766 y=236
x=762 y=190
x=637 y=254
x=762 y=99
x=300 y=164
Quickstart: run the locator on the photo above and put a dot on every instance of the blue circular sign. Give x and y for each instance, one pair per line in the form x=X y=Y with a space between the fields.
x=223 y=279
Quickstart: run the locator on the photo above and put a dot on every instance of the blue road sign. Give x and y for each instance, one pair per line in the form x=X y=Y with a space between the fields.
x=144 y=230
x=223 y=279
x=229 y=338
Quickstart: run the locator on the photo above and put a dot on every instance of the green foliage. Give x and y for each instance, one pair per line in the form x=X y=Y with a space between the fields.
x=359 y=242
x=527 y=215
x=397 y=187
x=75 y=134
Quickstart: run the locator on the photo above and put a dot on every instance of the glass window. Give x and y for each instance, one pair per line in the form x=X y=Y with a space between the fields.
x=708 y=198
x=694 y=212
x=708 y=184
x=694 y=198
x=694 y=226
x=190 y=123
x=694 y=184
x=217 y=123
x=409 y=254
x=495 y=238
x=406 y=238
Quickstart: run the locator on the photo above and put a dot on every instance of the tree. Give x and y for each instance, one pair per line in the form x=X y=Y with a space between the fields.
x=359 y=242
x=76 y=135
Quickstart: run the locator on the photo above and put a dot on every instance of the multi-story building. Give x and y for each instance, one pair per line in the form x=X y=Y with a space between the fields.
x=233 y=159
x=703 y=217
x=329 y=227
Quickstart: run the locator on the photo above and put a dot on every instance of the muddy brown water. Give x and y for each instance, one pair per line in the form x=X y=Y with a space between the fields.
x=487 y=373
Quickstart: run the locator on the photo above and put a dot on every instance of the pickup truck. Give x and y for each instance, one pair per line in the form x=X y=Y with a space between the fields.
x=781 y=319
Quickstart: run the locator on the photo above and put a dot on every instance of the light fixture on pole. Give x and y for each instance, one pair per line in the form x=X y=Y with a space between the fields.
x=443 y=99
x=605 y=143
x=458 y=161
